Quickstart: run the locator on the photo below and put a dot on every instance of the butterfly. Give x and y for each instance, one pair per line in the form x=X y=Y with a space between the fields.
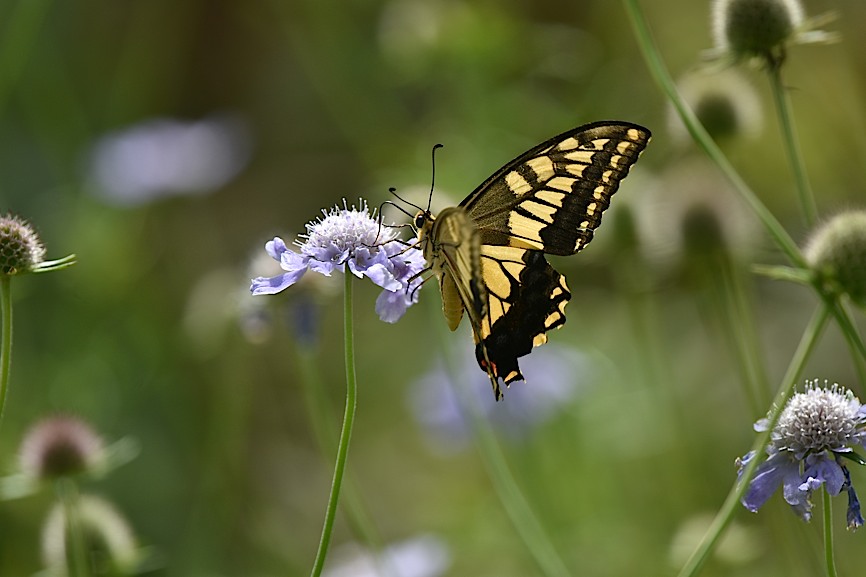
x=488 y=252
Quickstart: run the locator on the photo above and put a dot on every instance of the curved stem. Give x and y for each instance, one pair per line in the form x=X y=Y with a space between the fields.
x=792 y=145
x=512 y=498
x=852 y=336
x=828 y=533
x=704 y=140
x=324 y=429
x=726 y=513
x=345 y=433
x=6 y=344
x=524 y=520
x=73 y=532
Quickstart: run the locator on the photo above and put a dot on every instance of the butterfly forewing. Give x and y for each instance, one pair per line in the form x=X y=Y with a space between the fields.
x=552 y=197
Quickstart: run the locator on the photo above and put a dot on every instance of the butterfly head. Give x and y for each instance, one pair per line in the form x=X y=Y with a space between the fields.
x=423 y=222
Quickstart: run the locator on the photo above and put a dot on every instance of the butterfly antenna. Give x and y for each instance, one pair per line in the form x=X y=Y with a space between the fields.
x=381 y=215
x=395 y=205
x=393 y=191
x=433 y=175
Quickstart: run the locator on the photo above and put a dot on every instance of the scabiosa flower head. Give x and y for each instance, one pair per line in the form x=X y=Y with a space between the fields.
x=816 y=430
x=837 y=254
x=704 y=213
x=351 y=238
x=745 y=29
x=58 y=447
x=726 y=104
x=20 y=247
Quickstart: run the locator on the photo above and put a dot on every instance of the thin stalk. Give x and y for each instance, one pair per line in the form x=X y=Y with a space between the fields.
x=726 y=513
x=517 y=507
x=323 y=423
x=663 y=78
x=743 y=334
x=828 y=533
x=512 y=498
x=73 y=532
x=6 y=344
x=852 y=336
x=782 y=101
x=346 y=431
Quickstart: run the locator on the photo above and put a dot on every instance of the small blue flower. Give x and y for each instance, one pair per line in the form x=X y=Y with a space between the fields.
x=817 y=429
x=351 y=238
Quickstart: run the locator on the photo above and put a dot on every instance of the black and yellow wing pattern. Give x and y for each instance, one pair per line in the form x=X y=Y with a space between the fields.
x=488 y=252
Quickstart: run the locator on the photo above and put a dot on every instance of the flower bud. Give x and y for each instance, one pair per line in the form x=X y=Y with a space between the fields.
x=58 y=447
x=749 y=28
x=837 y=254
x=20 y=247
x=725 y=103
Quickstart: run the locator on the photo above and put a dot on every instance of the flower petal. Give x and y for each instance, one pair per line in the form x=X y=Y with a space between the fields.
x=276 y=248
x=769 y=475
x=797 y=492
x=854 y=518
x=268 y=286
x=380 y=275
x=826 y=470
x=390 y=306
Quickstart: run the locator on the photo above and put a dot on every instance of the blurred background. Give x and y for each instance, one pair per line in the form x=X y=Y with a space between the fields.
x=165 y=142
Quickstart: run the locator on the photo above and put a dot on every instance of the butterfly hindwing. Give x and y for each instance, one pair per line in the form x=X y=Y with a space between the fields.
x=488 y=252
x=526 y=298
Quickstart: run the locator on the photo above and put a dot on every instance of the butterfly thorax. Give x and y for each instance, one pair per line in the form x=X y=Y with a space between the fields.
x=450 y=244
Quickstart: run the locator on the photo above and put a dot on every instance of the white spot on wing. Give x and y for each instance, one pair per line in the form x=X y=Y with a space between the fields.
x=542 y=166
x=517 y=183
x=551 y=196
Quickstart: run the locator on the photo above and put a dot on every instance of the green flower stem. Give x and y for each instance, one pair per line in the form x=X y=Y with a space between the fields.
x=828 y=533
x=6 y=344
x=742 y=324
x=516 y=506
x=726 y=513
x=512 y=498
x=76 y=550
x=323 y=423
x=732 y=311
x=792 y=144
x=346 y=432
x=663 y=78
x=852 y=336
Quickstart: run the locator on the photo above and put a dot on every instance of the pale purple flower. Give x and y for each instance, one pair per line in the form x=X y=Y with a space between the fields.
x=351 y=238
x=421 y=556
x=163 y=157
x=817 y=430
